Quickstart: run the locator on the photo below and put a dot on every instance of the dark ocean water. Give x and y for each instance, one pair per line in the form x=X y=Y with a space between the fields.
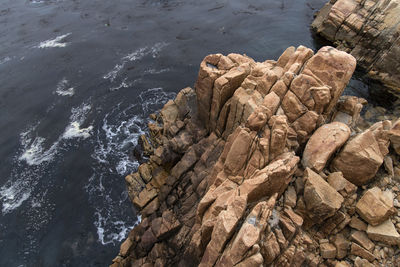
x=78 y=80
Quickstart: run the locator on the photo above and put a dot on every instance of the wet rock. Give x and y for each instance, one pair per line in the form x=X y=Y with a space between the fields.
x=375 y=206
x=325 y=141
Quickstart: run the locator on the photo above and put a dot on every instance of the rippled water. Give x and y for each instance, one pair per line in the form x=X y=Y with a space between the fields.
x=78 y=80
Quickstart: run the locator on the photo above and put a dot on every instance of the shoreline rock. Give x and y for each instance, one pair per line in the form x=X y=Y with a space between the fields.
x=228 y=184
x=369 y=31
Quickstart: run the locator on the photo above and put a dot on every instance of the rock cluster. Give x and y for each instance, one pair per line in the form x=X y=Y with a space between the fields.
x=369 y=31
x=263 y=163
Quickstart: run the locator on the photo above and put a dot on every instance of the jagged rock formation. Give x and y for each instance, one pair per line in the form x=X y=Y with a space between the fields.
x=260 y=165
x=369 y=30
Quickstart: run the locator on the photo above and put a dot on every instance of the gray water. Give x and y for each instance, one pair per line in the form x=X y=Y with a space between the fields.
x=78 y=80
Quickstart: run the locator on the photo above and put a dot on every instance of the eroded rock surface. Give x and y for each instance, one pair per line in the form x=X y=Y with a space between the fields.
x=227 y=182
x=368 y=30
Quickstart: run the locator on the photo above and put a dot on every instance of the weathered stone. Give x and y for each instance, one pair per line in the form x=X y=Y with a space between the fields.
x=395 y=136
x=375 y=206
x=144 y=197
x=365 y=29
x=357 y=250
x=385 y=232
x=290 y=197
x=342 y=246
x=340 y=184
x=362 y=239
x=328 y=251
x=360 y=159
x=358 y=224
x=325 y=141
x=322 y=201
x=272 y=179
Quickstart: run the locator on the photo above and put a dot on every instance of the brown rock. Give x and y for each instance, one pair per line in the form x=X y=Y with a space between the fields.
x=385 y=232
x=322 y=201
x=375 y=206
x=144 y=197
x=292 y=106
x=352 y=25
x=357 y=250
x=360 y=159
x=224 y=87
x=328 y=251
x=208 y=73
x=395 y=136
x=325 y=141
x=340 y=184
x=125 y=247
x=342 y=246
x=362 y=239
x=358 y=224
x=270 y=248
x=290 y=197
x=358 y=262
x=279 y=133
x=334 y=69
x=272 y=179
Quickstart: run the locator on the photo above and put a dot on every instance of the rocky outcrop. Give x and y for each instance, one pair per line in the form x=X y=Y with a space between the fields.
x=228 y=184
x=368 y=30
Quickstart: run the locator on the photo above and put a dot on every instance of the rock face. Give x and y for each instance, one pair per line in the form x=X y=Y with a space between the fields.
x=225 y=184
x=375 y=206
x=369 y=31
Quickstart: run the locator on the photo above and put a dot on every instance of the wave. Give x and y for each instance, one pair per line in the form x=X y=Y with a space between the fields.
x=56 y=42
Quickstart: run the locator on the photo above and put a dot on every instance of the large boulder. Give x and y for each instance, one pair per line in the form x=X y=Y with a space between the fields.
x=325 y=141
x=362 y=156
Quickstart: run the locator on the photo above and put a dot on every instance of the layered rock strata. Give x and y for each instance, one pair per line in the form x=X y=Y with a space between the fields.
x=252 y=168
x=368 y=30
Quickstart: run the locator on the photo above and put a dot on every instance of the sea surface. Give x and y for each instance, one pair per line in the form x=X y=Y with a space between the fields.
x=78 y=79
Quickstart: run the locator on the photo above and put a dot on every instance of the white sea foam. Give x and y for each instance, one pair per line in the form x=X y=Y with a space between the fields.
x=154 y=71
x=4 y=60
x=13 y=196
x=124 y=84
x=35 y=154
x=56 y=42
x=78 y=117
x=116 y=138
x=134 y=56
x=64 y=88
